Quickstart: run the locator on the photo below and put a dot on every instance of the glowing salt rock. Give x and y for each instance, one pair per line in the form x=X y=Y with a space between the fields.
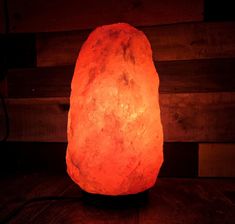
x=115 y=134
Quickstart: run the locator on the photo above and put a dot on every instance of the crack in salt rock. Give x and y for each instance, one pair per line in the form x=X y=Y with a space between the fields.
x=114 y=33
x=125 y=79
x=91 y=76
x=127 y=52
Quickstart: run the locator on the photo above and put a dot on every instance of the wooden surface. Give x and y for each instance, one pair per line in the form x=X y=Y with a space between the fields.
x=40 y=82
x=60 y=15
x=170 y=201
x=185 y=41
x=216 y=160
x=188 y=117
x=20 y=188
x=209 y=75
x=37 y=119
x=198 y=117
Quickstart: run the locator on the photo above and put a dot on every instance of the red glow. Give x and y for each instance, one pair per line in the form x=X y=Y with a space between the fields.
x=114 y=129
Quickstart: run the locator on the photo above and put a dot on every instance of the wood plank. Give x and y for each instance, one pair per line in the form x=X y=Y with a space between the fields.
x=207 y=75
x=18 y=188
x=186 y=117
x=170 y=42
x=198 y=117
x=88 y=209
x=37 y=119
x=40 y=82
x=189 y=201
x=14 y=190
x=193 y=41
x=171 y=200
x=47 y=16
x=216 y=160
x=56 y=49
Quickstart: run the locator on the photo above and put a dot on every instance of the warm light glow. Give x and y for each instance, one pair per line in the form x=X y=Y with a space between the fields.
x=114 y=129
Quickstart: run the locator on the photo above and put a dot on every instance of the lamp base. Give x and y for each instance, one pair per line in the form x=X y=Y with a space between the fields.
x=116 y=202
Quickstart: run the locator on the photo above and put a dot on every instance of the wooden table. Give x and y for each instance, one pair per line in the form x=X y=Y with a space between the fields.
x=56 y=199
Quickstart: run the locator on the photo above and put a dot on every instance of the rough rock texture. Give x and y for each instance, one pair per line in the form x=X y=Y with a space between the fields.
x=114 y=129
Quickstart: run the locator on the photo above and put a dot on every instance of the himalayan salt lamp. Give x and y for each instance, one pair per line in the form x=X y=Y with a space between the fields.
x=115 y=136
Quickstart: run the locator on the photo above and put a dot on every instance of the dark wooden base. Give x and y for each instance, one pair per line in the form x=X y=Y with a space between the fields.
x=54 y=198
x=116 y=202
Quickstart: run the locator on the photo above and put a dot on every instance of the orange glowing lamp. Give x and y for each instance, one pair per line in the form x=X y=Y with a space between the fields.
x=115 y=136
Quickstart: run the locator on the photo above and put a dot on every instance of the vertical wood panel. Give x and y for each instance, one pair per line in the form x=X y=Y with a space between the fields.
x=217 y=160
x=60 y=15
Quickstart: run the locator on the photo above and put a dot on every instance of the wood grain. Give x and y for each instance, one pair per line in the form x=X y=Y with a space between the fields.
x=216 y=160
x=48 y=16
x=186 y=117
x=170 y=42
x=17 y=189
x=40 y=82
x=198 y=117
x=208 y=75
x=189 y=201
x=192 y=41
x=171 y=200
x=37 y=119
